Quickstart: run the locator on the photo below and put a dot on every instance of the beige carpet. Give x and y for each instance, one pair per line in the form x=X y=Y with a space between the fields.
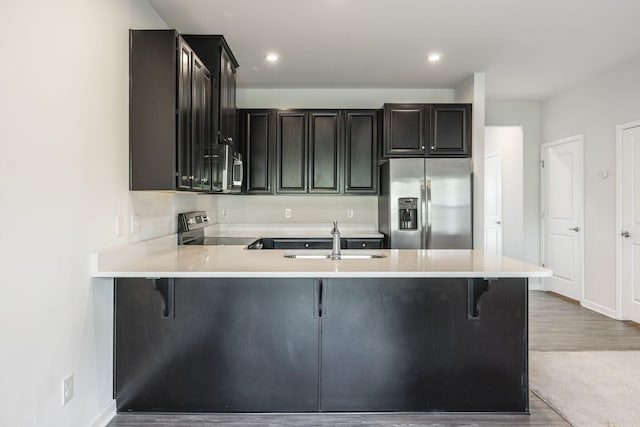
x=589 y=388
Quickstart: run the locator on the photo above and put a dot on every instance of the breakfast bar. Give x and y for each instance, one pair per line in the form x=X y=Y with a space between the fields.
x=226 y=329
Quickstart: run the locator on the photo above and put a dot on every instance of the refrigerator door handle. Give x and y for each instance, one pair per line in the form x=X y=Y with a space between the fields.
x=425 y=196
x=428 y=245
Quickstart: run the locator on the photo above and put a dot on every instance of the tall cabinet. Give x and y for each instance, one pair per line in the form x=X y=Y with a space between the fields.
x=182 y=102
x=170 y=107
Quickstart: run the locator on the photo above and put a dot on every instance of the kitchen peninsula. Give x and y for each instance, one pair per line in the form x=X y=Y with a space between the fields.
x=226 y=329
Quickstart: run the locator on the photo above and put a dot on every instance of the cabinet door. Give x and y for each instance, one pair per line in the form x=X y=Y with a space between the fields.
x=324 y=152
x=198 y=124
x=258 y=138
x=450 y=130
x=409 y=345
x=227 y=99
x=291 y=151
x=233 y=345
x=185 y=176
x=207 y=174
x=361 y=148
x=404 y=134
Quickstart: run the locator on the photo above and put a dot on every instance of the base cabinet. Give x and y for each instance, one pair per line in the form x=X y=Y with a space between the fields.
x=307 y=345
x=409 y=345
x=233 y=345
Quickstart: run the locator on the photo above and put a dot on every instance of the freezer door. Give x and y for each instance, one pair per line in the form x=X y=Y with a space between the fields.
x=449 y=203
x=406 y=179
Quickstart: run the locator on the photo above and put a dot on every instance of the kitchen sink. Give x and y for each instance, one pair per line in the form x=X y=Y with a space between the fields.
x=328 y=256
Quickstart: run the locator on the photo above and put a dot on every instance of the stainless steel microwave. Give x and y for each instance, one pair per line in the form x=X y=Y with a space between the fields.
x=227 y=169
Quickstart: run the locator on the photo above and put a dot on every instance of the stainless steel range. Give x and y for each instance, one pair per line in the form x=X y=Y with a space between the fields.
x=191 y=227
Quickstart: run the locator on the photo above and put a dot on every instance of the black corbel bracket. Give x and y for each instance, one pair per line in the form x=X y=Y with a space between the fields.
x=475 y=289
x=166 y=289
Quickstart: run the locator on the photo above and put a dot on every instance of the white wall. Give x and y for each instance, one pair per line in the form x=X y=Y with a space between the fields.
x=507 y=142
x=473 y=90
x=64 y=166
x=337 y=98
x=526 y=115
x=594 y=108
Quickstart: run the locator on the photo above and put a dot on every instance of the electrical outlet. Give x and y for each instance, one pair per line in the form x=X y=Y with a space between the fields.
x=287 y=213
x=67 y=389
x=349 y=213
x=136 y=223
x=118 y=226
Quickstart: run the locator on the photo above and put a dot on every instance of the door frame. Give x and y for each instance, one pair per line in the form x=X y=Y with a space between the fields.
x=485 y=201
x=579 y=138
x=619 y=130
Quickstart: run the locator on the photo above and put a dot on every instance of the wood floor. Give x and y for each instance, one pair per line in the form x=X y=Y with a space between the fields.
x=554 y=325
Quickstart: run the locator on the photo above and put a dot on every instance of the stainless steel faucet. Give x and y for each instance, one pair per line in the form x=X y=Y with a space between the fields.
x=335 y=252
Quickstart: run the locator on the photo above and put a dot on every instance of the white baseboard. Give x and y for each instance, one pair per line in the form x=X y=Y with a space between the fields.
x=106 y=415
x=534 y=284
x=599 y=308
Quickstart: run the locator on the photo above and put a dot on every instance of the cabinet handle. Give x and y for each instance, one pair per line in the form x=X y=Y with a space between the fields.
x=576 y=229
x=364 y=245
x=185 y=178
x=205 y=180
x=306 y=245
x=422 y=147
x=433 y=147
x=625 y=234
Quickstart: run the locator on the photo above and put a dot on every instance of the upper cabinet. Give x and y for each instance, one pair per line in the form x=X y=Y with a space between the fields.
x=217 y=56
x=450 y=130
x=169 y=113
x=427 y=130
x=257 y=133
x=182 y=102
x=308 y=151
x=360 y=151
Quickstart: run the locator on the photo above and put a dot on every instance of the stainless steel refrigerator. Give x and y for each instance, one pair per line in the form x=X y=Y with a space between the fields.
x=426 y=203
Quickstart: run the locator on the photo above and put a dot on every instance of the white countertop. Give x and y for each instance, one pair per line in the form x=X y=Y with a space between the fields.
x=163 y=258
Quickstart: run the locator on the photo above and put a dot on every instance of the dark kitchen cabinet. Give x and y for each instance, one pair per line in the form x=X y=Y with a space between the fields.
x=320 y=345
x=450 y=130
x=427 y=130
x=404 y=130
x=361 y=152
x=291 y=130
x=169 y=113
x=257 y=130
x=232 y=345
x=308 y=151
x=219 y=59
x=324 y=151
x=410 y=345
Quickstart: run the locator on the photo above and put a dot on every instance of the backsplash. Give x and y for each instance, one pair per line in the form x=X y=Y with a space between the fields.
x=303 y=209
x=159 y=210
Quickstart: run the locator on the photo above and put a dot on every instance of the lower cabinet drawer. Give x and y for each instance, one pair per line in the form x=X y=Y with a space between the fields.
x=362 y=244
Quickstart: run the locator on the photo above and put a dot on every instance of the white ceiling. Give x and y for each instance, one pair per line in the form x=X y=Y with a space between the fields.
x=528 y=49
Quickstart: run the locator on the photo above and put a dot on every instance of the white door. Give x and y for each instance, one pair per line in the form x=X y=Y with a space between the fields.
x=562 y=213
x=629 y=202
x=493 y=204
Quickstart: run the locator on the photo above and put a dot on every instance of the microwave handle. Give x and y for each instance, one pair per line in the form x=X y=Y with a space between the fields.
x=237 y=180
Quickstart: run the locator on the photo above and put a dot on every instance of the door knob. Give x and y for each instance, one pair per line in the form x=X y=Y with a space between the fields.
x=625 y=234
x=575 y=229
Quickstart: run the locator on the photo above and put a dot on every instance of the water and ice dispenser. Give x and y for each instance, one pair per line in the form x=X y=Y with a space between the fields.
x=408 y=213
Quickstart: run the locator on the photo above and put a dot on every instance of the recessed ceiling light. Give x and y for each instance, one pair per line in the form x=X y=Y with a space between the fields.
x=272 y=57
x=434 y=57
